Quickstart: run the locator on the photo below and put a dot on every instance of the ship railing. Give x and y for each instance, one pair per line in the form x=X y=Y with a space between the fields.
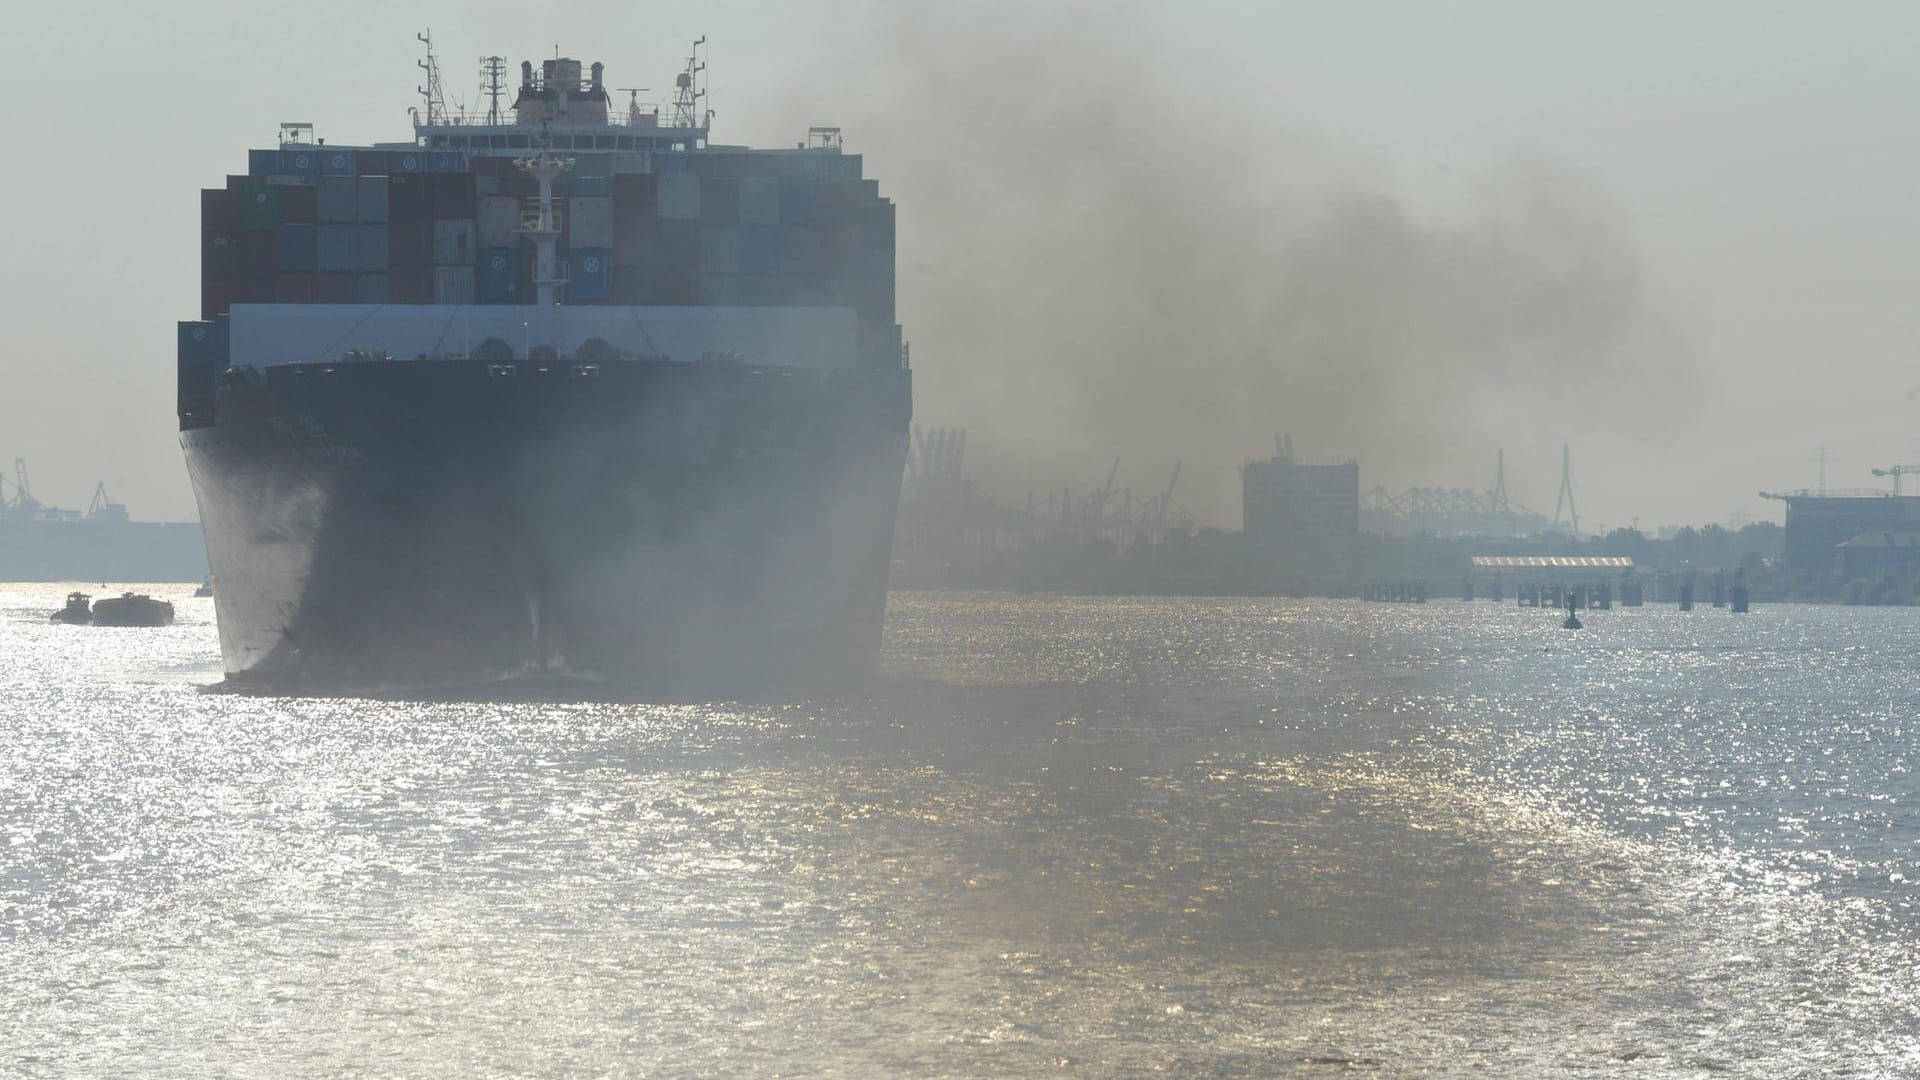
x=530 y=218
x=618 y=116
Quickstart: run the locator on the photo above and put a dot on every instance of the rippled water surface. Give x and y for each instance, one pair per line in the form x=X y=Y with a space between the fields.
x=1061 y=837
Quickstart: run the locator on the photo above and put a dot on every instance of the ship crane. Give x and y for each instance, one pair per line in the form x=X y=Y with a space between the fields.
x=103 y=508
x=1896 y=471
x=1163 y=502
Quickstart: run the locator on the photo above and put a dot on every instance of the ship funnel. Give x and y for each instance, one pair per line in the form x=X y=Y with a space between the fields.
x=598 y=68
x=526 y=74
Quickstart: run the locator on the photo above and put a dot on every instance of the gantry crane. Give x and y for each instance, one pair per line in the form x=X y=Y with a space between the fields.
x=1896 y=471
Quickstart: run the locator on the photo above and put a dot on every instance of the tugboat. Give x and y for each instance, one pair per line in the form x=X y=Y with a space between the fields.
x=78 y=611
x=132 y=609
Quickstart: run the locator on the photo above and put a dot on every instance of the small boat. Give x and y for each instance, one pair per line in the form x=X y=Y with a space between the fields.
x=132 y=609
x=79 y=610
x=205 y=589
x=1573 y=620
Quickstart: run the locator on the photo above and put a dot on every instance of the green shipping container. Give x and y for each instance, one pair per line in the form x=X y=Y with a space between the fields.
x=260 y=208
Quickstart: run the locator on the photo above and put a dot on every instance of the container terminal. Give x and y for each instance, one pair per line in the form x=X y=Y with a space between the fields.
x=1309 y=529
x=39 y=542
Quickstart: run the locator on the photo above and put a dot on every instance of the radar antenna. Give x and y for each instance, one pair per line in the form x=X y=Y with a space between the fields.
x=436 y=101
x=687 y=94
x=493 y=82
x=633 y=103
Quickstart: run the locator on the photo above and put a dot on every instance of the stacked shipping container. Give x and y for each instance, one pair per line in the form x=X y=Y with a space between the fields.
x=348 y=225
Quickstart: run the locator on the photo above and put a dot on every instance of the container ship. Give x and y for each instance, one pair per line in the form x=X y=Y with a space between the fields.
x=560 y=390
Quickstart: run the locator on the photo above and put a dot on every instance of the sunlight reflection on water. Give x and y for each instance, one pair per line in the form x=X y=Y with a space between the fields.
x=1120 y=836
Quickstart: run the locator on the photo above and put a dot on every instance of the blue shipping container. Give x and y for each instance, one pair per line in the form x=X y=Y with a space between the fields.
x=304 y=162
x=799 y=202
x=370 y=249
x=200 y=343
x=759 y=249
x=338 y=199
x=263 y=162
x=843 y=167
x=591 y=275
x=297 y=250
x=407 y=161
x=372 y=202
x=444 y=161
x=333 y=248
x=669 y=162
x=337 y=163
x=497 y=277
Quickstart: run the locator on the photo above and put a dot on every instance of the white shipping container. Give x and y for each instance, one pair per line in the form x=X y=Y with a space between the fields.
x=759 y=200
x=453 y=284
x=677 y=198
x=499 y=217
x=453 y=242
x=334 y=248
x=590 y=221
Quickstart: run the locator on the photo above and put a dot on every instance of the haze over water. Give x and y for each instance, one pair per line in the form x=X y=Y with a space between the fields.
x=1064 y=836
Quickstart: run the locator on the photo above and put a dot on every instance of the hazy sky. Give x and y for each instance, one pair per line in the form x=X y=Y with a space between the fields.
x=1681 y=238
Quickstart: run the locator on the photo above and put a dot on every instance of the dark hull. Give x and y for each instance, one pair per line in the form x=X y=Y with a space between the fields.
x=657 y=529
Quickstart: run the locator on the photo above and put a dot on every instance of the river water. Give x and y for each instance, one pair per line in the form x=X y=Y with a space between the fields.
x=1095 y=837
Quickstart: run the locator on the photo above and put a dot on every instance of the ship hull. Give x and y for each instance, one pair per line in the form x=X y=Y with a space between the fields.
x=647 y=528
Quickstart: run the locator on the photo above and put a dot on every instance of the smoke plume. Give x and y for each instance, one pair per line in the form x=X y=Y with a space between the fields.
x=1102 y=257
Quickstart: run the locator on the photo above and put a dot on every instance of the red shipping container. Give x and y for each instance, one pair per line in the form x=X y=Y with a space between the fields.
x=719 y=201
x=334 y=288
x=494 y=166
x=410 y=285
x=219 y=211
x=216 y=297
x=220 y=256
x=410 y=243
x=407 y=198
x=634 y=191
x=451 y=195
x=294 y=289
x=254 y=288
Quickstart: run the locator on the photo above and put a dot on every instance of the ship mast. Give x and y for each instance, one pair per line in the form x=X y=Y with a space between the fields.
x=436 y=101
x=542 y=226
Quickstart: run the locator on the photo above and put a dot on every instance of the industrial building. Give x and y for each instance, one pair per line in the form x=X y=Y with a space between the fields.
x=1302 y=520
x=1818 y=523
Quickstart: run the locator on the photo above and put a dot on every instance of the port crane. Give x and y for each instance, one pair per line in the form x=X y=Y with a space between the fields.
x=1896 y=471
